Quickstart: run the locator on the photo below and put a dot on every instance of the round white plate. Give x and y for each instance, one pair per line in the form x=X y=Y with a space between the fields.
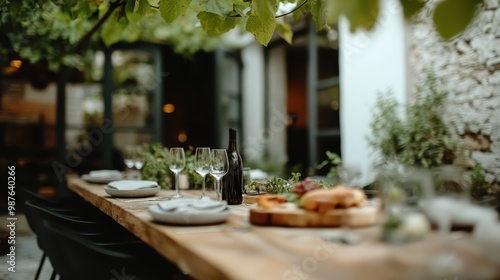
x=132 y=193
x=190 y=217
x=100 y=180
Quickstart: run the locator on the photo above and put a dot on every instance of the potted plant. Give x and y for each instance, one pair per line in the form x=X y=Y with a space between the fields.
x=156 y=166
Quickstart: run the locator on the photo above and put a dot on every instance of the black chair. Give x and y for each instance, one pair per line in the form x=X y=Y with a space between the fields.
x=77 y=257
x=64 y=205
x=77 y=215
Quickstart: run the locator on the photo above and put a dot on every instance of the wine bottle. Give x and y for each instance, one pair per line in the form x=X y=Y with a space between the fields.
x=232 y=182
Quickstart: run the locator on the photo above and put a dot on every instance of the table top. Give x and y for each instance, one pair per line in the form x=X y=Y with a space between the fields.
x=239 y=250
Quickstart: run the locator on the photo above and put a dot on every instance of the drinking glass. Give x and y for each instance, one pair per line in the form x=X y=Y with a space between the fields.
x=139 y=160
x=349 y=176
x=202 y=165
x=129 y=159
x=176 y=163
x=450 y=196
x=402 y=188
x=219 y=165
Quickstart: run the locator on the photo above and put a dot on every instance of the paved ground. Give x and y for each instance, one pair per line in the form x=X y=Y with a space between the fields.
x=27 y=255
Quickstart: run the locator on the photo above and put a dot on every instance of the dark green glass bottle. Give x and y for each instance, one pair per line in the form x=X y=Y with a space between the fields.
x=232 y=182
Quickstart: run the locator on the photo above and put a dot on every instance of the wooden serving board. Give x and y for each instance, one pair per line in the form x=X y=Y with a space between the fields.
x=297 y=217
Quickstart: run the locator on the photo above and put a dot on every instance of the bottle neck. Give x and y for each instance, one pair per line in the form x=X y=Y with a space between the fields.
x=233 y=144
x=232 y=139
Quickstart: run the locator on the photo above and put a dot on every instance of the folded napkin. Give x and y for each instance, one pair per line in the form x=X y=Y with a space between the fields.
x=105 y=174
x=130 y=185
x=487 y=234
x=459 y=212
x=205 y=205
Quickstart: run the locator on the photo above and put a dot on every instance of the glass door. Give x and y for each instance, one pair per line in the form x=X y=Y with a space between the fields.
x=323 y=95
x=118 y=106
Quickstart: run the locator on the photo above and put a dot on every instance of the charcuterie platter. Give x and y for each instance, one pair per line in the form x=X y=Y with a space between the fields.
x=338 y=206
x=292 y=216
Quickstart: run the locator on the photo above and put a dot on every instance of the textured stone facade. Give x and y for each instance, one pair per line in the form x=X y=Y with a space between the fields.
x=468 y=67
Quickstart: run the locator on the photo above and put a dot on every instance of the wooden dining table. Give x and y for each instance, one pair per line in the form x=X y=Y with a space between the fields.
x=239 y=250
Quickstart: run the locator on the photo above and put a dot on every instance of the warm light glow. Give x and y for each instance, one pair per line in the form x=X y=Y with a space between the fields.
x=168 y=108
x=16 y=63
x=334 y=105
x=182 y=137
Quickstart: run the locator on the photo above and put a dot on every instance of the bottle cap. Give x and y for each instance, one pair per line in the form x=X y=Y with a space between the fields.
x=232 y=132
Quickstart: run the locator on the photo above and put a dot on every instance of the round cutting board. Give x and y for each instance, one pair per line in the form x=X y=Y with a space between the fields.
x=297 y=217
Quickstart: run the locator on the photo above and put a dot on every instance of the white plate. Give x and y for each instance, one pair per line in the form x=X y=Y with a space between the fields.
x=100 y=180
x=192 y=217
x=130 y=185
x=132 y=193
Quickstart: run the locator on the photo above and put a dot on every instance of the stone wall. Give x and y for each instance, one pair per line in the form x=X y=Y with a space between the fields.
x=468 y=67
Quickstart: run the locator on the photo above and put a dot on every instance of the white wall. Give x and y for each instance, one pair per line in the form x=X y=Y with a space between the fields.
x=253 y=101
x=277 y=108
x=369 y=63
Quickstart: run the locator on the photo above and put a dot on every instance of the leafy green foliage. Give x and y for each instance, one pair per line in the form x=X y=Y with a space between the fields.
x=478 y=185
x=276 y=185
x=172 y=9
x=318 y=13
x=334 y=161
x=452 y=16
x=361 y=14
x=52 y=30
x=156 y=166
x=215 y=24
x=285 y=31
x=261 y=21
x=412 y=7
x=416 y=136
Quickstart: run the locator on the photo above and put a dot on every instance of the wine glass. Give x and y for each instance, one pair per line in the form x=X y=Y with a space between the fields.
x=402 y=188
x=219 y=166
x=129 y=159
x=448 y=197
x=349 y=176
x=176 y=163
x=202 y=165
x=139 y=160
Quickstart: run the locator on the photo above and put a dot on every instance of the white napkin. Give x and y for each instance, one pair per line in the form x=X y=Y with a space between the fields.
x=130 y=185
x=98 y=174
x=459 y=212
x=487 y=234
x=205 y=205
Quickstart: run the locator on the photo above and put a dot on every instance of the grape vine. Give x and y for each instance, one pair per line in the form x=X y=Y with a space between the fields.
x=61 y=31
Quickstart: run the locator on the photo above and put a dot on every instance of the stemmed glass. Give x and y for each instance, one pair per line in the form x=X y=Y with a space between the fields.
x=139 y=160
x=449 y=195
x=176 y=163
x=402 y=188
x=129 y=159
x=219 y=165
x=202 y=165
x=349 y=177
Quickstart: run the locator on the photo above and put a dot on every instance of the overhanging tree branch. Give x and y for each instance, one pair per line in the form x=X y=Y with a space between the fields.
x=84 y=41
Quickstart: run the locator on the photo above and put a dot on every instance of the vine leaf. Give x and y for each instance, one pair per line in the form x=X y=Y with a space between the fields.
x=411 y=7
x=318 y=13
x=141 y=7
x=215 y=24
x=285 y=31
x=261 y=22
x=362 y=14
x=172 y=9
x=112 y=29
x=451 y=17
x=218 y=7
